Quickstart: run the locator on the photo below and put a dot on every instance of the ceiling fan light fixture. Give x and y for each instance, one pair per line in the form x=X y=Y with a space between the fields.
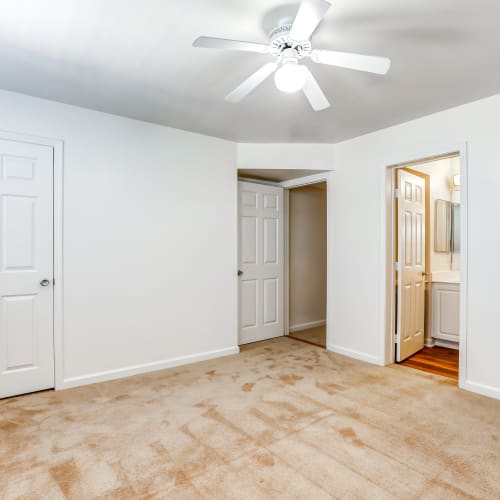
x=290 y=78
x=288 y=43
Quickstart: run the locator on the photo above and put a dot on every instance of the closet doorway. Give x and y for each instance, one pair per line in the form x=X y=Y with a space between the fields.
x=307 y=243
x=282 y=255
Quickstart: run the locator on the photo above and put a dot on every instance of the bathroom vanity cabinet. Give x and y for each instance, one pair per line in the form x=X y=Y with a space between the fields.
x=446 y=311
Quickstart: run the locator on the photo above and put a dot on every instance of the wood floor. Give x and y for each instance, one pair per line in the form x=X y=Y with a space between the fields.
x=315 y=336
x=437 y=360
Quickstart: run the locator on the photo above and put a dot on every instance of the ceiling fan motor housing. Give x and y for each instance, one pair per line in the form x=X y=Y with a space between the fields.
x=280 y=41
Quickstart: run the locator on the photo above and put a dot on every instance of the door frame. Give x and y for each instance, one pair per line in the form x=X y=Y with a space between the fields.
x=287 y=185
x=389 y=340
x=57 y=146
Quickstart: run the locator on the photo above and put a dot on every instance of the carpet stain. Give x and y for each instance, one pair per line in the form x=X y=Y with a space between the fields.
x=451 y=489
x=160 y=449
x=353 y=413
x=8 y=426
x=215 y=415
x=199 y=432
x=290 y=379
x=67 y=477
x=329 y=387
x=347 y=432
x=350 y=434
x=181 y=478
x=122 y=397
x=265 y=459
x=259 y=414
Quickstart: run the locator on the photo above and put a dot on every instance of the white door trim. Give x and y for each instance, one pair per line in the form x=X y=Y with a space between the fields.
x=286 y=261
x=259 y=181
x=305 y=181
x=58 y=148
x=461 y=150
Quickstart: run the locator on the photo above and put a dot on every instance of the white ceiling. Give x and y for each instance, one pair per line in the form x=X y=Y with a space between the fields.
x=134 y=58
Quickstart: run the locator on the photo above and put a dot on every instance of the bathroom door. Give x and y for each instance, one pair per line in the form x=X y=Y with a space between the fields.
x=260 y=234
x=411 y=268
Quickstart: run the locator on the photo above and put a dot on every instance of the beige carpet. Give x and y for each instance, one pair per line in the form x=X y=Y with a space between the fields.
x=284 y=419
x=315 y=335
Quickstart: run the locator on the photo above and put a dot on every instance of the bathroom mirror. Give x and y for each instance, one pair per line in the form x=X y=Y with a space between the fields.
x=455 y=235
x=442 y=237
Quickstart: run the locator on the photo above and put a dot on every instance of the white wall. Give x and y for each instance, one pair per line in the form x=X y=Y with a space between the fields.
x=150 y=234
x=361 y=165
x=357 y=228
x=307 y=255
x=149 y=239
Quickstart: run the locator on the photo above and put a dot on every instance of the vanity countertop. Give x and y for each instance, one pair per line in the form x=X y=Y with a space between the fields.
x=446 y=277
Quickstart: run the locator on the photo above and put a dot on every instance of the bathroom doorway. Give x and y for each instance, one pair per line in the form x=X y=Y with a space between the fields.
x=425 y=253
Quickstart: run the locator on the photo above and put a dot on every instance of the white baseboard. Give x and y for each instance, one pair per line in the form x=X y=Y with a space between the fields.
x=447 y=343
x=484 y=390
x=306 y=326
x=145 y=368
x=351 y=353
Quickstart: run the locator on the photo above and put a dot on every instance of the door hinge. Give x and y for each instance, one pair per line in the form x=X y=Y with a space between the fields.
x=396 y=339
x=54 y=281
x=397 y=193
x=397 y=266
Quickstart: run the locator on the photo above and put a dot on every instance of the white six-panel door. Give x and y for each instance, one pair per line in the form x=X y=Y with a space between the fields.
x=260 y=229
x=26 y=260
x=411 y=256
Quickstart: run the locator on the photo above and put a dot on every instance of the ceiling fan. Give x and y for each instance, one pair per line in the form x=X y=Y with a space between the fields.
x=290 y=42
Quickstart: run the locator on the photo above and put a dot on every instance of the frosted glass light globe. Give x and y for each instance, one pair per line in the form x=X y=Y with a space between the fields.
x=290 y=77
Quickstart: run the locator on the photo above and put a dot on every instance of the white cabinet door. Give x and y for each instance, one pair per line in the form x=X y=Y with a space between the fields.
x=411 y=257
x=260 y=229
x=446 y=311
x=26 y=260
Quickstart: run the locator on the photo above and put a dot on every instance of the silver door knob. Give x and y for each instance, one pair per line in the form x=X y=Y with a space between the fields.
x=44 y=283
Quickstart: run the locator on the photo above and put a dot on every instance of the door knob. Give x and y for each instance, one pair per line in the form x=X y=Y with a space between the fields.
x=240 y=272
x=45 y=282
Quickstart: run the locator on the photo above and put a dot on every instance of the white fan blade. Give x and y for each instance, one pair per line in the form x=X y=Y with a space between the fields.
x=371 y=64
x=221 y=43
x=314 y=93
x=309 y=15
x=251 y=83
